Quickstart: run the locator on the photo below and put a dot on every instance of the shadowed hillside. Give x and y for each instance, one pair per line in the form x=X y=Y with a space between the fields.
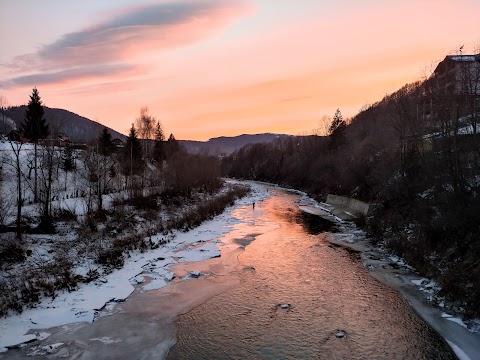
x=225 y=145
x=76 y=127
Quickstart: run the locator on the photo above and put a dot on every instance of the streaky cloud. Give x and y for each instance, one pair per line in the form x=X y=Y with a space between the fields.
x=137 y=30
x=69 y=74
x=124 y=41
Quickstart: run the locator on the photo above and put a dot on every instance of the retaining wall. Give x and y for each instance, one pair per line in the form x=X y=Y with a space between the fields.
x=354 y=206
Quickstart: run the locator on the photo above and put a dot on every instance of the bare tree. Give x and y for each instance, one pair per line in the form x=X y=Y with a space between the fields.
x=4 y=126
x=16 y=164
x=145 y=125
x=49 y=163
x=323 y=126
x=405 y=123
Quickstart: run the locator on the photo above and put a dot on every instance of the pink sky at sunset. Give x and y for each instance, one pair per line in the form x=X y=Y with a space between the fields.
x=209 y=68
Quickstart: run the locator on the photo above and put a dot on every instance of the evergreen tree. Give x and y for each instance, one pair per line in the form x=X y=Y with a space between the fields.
x=133 y=154
x=35 y=127
x=336 y=130
x=68 y=159
x=105 y=165
x=159 y=148
x=105 y=145
x=171 y=147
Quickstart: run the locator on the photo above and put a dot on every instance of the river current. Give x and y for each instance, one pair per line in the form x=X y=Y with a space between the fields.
x=280 y=290
x=296 y=293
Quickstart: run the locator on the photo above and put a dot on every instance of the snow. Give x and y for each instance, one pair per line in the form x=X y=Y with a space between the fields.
x=84 y=305
x=204 y=252
x=418 y=282
x=454 y=319
x=51 y=348
x=459 y=352
x=106 y=340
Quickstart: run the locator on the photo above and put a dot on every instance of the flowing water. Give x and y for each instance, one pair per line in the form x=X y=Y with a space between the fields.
x=323 y=290
x=280 y=290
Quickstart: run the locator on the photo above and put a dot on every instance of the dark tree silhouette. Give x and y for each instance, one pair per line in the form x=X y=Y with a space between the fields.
x=336 y=130
x=159 y=147
x=35 y=127
x=105 y=145
x=172 y=147
x=68 y=159
x=133 y=154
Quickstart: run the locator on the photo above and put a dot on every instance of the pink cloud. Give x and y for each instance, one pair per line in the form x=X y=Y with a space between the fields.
x=131 y=33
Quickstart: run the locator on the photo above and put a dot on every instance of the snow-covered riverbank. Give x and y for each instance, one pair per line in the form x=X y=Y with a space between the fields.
x=153 y=270
x=149 y=270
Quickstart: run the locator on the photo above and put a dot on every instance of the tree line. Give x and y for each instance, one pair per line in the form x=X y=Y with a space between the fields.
x=146 y=164
x=416 y=155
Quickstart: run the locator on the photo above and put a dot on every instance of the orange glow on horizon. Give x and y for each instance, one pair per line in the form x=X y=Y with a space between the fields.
x=218 y=67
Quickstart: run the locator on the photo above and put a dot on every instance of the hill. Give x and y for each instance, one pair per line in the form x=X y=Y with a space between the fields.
x=225 y=145
x=78 y=128
x=82 y=130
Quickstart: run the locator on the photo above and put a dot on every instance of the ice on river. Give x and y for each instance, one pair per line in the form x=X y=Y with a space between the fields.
x=83 y=305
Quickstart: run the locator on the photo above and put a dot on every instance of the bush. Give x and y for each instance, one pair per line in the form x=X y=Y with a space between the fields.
x=11 y=249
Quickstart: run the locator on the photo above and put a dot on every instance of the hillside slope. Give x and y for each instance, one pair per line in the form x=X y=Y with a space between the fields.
x=225 y=145
x=78 y=128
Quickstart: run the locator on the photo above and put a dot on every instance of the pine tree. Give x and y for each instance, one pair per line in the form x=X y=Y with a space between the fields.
x=133 y=154
x=35 y=127
x=68 y=159
x=159 y=148
x=105 y=145
x=336 y=130
x=171 y=147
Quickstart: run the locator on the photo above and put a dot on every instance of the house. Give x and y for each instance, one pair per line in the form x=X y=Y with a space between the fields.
x=119 y=143
x=460 y=74
x=15 y=136
x=59 y=139
x=453 y=91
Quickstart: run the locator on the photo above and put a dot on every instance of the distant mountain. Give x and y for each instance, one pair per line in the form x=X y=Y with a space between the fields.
x=225 y=145
x=78 y=128
x=82 y=130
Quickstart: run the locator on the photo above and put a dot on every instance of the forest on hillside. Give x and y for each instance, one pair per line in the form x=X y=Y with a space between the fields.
x=416 y=155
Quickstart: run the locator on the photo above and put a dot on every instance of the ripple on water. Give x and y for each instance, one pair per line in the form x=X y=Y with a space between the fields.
x=327 y=291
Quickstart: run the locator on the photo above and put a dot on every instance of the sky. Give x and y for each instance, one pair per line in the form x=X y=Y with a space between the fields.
x=208 y=68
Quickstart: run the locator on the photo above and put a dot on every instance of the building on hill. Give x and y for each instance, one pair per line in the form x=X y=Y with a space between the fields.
x=460 y=74
x=119 y=143
x=60 y=139
x=15 y=136
x=452 y=93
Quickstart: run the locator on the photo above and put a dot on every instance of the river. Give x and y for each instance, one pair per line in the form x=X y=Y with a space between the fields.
x=280 y=290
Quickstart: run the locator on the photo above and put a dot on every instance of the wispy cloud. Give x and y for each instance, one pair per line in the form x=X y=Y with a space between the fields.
x=130 y=33
x=71 y=74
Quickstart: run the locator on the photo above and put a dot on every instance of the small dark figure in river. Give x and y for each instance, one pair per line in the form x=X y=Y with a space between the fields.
x=253 y=205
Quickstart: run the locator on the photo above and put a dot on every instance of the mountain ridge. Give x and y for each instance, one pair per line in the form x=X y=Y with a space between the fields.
x=80 y=129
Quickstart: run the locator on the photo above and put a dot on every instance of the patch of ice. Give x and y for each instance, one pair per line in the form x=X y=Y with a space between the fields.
x=106 y=340
x=418 y=281
x=154 y=285
x=458 y=321
x=137 y=280
x=195 y=274
x=432 y=284
x=459 y=352
x=51 y=348
x=204 y=252
x=43 y=335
